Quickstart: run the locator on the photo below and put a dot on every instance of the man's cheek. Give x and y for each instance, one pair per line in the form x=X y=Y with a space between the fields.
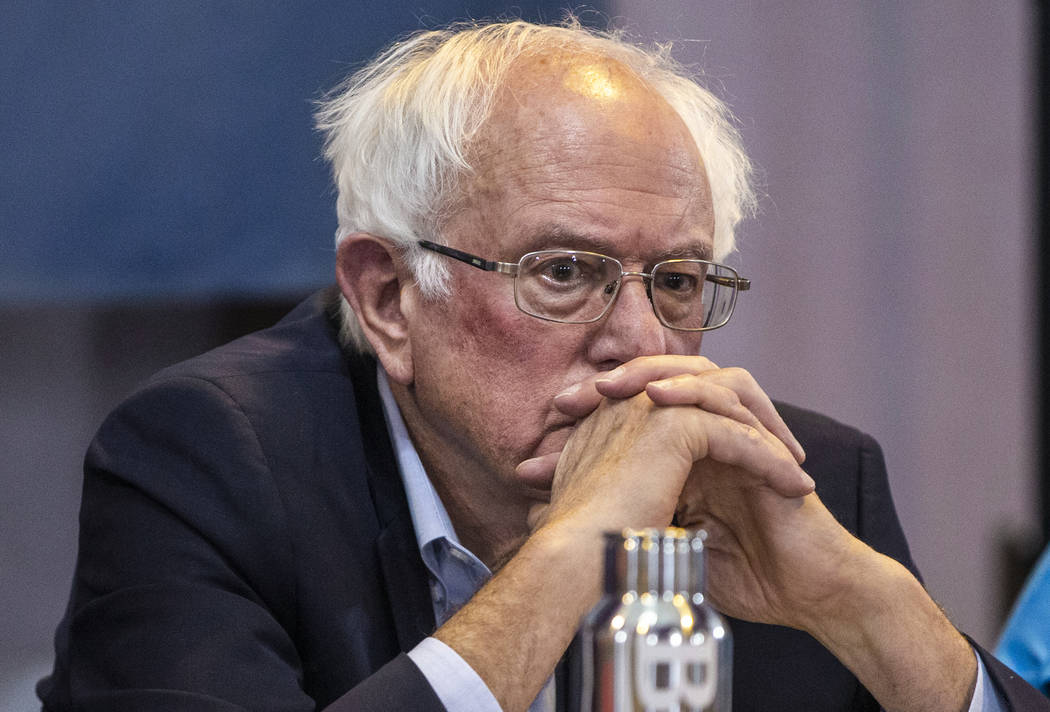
x=503 y=337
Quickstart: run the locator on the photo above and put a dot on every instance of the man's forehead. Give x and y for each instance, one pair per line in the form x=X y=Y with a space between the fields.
x=564 y=88
x=558 y=107
x=589 y=75
x=667 y=247
x=581 y=142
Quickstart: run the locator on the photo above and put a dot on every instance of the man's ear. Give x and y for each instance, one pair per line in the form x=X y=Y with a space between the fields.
x=371 y=278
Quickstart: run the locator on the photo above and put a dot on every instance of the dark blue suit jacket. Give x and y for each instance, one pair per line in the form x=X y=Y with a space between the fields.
x=245 y=544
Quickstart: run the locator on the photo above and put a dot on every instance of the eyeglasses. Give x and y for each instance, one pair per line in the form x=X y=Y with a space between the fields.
x=575 y=287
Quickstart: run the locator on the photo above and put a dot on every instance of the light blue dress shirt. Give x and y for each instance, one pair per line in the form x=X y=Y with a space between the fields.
x=456 y=575
x=1025 y=643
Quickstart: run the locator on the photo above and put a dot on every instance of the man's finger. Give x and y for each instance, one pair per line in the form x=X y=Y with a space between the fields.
x=703 y=393
x=579 y=400
x=708 y=391
x=625 y=381
x=631 y=378
x=538 y=472
x=536 y=515
x=731 y=442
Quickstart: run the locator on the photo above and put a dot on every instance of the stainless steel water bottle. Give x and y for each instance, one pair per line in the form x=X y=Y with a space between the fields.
x=653 y=644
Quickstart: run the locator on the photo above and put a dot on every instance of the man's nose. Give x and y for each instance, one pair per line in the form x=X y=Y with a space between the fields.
x=631 y=328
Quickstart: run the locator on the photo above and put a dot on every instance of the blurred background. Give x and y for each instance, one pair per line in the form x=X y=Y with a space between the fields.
x=161 y=192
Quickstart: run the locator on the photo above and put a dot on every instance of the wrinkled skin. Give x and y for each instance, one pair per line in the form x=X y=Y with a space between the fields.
x=539 y=436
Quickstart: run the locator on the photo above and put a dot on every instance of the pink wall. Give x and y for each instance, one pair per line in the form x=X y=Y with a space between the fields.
x=892 y=259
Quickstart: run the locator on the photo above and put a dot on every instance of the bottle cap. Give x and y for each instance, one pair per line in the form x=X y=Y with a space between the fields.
x=660 y=562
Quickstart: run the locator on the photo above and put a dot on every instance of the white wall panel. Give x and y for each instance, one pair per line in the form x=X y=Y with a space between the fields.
x=892 y=259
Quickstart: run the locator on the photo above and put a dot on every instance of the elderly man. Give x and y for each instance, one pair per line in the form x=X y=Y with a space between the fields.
x=394 y=499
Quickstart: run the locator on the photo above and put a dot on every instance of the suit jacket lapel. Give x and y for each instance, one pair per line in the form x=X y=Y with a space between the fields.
x=404 y=575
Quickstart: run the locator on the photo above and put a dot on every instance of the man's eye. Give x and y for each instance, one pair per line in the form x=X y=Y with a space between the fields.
x=678 y=282
x=562 y=271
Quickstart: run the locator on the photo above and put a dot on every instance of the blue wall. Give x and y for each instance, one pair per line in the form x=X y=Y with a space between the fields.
x=167 y=148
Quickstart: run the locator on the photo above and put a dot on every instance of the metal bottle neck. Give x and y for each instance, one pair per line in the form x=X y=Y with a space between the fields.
x=659 y=562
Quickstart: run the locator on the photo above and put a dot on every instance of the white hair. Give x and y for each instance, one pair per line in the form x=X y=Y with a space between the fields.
x=397 y=132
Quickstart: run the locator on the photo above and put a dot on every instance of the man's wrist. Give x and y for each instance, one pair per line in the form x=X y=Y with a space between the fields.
x=454 y=681
x=884 y=626
x=515 y=629
x=859 y=589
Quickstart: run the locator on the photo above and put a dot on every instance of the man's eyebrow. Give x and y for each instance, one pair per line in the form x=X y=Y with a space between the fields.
x=557 y=237
x=697 y=251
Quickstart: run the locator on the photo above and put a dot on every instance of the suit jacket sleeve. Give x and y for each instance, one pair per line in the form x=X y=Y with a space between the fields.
x=185 y=592
x=851 y=477
x=879 y=526
x=1017 y=693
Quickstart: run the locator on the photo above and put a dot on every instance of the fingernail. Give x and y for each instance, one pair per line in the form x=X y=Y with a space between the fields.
x=526 y=465
x=808 y=481
x=571 y=390
x=614 y=374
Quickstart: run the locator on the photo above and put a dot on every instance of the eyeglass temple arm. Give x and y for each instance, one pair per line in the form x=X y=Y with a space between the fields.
x=472 y=260
x=741 y=283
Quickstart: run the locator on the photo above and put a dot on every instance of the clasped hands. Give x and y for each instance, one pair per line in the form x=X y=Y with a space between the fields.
x=678 y=437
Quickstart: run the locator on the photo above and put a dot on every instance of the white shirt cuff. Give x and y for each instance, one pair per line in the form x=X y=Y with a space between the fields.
x=460 y=688
x=454 y=681
x=985 y=698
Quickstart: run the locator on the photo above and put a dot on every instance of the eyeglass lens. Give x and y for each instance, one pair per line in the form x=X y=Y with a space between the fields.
x=578 y=286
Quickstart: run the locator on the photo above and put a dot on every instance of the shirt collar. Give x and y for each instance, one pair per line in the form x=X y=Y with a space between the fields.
x=456 y=573
x=429 y=516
